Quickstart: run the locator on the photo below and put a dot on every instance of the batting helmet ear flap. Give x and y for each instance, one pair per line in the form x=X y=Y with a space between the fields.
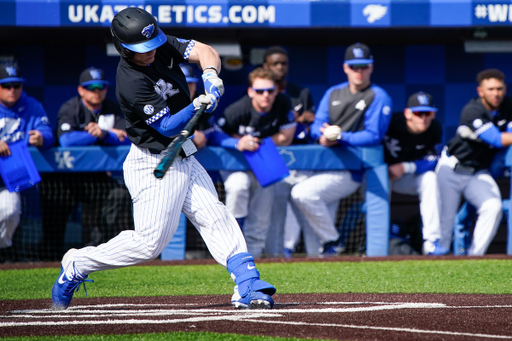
x=125 y=53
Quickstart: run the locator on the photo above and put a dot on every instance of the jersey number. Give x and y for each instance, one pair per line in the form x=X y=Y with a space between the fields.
x=165 y=89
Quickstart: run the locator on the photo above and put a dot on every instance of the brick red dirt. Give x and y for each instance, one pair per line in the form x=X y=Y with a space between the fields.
x=346 y=316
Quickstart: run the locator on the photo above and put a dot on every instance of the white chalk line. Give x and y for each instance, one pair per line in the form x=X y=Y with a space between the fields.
x=83 y=312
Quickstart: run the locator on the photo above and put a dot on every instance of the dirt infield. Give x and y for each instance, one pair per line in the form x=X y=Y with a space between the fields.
x=329 y=316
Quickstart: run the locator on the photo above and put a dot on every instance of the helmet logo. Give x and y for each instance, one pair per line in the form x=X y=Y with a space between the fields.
x=148 y=30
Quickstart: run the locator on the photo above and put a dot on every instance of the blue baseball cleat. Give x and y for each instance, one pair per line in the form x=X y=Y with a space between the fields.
x=254 y=299
x=250 y=291
x=64 y=287
x=434 y=248
x=333 y=248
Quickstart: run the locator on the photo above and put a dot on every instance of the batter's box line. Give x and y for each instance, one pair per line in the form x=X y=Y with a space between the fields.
x=407 y=330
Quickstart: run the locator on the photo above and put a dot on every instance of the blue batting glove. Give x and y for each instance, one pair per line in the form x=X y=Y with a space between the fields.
x=212 y=83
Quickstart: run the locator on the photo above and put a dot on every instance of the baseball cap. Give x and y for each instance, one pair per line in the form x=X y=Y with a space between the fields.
x=188 y=71
x=358 y=54
x=10 y=73
x=92 y=75
x=421 y=101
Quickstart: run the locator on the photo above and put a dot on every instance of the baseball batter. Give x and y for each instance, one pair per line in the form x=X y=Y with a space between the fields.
x=464 y=164
x=153 y=94
x=412 y=148
x=361 y=111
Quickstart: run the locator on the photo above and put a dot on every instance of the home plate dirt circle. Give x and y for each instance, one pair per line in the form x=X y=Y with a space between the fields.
x=322 y=316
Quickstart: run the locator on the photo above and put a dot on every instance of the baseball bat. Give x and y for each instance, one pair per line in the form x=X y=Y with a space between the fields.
x=174 y=147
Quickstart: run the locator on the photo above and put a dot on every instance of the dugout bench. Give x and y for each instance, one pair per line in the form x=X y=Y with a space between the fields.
x=304 y=157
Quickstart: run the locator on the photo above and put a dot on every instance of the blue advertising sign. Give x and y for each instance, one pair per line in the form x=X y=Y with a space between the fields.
x=261 y=13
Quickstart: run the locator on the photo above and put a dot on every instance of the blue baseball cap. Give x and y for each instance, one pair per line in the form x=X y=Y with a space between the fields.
x=188 y=71
x=10 y=73
x=92 y=75
x=358 y=54
x=421 y=101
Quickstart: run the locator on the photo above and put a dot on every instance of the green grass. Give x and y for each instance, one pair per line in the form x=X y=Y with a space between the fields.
x=177 y=336
x=485 y=276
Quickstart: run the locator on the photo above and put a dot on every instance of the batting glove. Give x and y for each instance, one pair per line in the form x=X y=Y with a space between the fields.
x=212 y=83
x=209 y=99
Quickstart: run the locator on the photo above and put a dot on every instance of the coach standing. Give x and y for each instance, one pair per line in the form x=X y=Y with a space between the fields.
x=464 y=164
x=361 y=110
x=153 y=93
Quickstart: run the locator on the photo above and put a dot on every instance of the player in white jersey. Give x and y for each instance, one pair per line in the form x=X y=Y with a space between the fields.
x=153 y=94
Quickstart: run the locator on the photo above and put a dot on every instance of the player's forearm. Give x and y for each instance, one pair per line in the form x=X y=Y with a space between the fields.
x=205 y=55
x=171 y=125
x=284 y=137
x=77 y=138
x=506 y=139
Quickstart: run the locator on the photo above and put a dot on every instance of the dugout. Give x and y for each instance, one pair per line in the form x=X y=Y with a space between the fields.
x=417 y=45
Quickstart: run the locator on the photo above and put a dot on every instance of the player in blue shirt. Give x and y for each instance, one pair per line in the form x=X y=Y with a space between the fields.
x=360 y=112
x=21 y=118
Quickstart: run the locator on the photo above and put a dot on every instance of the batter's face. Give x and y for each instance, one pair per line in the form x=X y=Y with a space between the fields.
x=358 y=75
x=9 y=94
x=418 y=122
x=492 y=91
x=93 y=98
x=263 y=94
x=278 y=64
x=143 y=59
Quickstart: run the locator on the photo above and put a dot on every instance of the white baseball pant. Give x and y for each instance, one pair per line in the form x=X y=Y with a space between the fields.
x=287 y=221
x=157 y=203
x=10 y=212
x=245 y=198
x=318 y=196
x=425 y=187
x=481 y=191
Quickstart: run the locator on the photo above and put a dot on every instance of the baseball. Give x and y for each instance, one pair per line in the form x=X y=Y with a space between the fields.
x=332 y=133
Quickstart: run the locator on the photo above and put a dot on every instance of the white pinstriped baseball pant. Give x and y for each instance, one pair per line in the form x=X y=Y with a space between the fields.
x=157 y=203
x=425 y=187
x=481 y=191
x=10 y=212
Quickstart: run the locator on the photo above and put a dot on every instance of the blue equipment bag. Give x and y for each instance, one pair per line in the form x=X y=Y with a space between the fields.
x=266 y=163
x=18 y=170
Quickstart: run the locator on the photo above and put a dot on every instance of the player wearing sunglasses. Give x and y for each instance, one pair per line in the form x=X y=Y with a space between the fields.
x=263 y=112
x=412 y=149
x=22 y=118
x=85 y=120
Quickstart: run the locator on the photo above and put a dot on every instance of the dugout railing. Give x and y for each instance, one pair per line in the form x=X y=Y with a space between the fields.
x=309 y=157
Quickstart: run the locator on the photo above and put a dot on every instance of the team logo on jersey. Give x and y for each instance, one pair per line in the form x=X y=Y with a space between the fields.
x=358 y=52
x=374 y=12
x=386 y=110
x=477 y=123
x=361 y=105
x=148 y=109
x=502 y=122
x=165 y=89
x=335 y=103
x=392 y=145
x=11 y=70
x=148 y=30
x=65 y=127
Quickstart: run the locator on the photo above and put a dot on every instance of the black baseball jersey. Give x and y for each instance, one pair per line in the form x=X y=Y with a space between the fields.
x=403 y=146
x=146 y=93
x=242 y=119
x=74 y=116
x=477 y=153
x=300 y=98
